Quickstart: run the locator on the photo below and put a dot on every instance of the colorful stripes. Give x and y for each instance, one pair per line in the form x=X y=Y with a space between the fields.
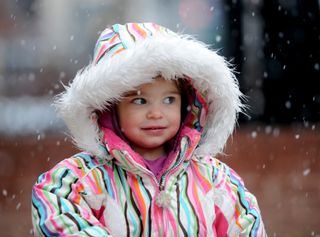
x=72 y=199
x=120 y=37
x=81 y=193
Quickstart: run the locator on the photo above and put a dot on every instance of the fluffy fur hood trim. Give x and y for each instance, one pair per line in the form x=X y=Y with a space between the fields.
x=172 y=55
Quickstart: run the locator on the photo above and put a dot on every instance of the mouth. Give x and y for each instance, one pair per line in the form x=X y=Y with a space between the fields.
x=153 y=128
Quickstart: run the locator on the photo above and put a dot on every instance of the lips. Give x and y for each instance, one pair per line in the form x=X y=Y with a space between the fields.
x=154 y=130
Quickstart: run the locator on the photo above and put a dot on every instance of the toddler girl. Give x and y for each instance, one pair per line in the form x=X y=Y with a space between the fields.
x=150 y=113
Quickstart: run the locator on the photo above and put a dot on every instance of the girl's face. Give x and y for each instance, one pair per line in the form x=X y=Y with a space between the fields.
x=150 y=116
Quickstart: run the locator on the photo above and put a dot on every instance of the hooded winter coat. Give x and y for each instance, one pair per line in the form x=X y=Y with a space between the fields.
x=107 y=190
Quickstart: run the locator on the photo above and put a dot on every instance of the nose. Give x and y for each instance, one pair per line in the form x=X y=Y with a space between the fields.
x=154 y=112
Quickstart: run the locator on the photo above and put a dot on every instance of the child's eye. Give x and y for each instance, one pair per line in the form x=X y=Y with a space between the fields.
x=139 y=101
x=169 y=100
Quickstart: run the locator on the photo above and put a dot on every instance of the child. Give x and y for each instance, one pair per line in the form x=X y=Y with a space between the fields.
x=150 y=113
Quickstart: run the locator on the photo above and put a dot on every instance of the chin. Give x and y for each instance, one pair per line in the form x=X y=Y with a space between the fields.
x=152 y=145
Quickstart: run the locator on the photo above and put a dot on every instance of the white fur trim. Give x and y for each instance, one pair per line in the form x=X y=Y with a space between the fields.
x=172 y=55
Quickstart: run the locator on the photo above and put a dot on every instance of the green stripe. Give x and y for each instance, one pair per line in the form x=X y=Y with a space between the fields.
x=191 y=211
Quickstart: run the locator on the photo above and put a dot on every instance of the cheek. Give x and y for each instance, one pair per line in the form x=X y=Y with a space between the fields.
x=122 y=115
x=176 y=117
x=129 y=119
x=178 y=122
x=124 y=122
x=124 y=112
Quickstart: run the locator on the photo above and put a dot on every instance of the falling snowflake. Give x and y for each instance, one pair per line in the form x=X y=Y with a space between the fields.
x=18 y=206
x=288 y=104
x=218 y=38
x=254 y=134
x=268 y=129
x=306 y=172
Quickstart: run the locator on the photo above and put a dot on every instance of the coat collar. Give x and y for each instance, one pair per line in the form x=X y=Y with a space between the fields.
x=128 y=159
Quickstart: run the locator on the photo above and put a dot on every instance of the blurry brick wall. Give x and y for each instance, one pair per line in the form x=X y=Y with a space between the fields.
x=279 y=165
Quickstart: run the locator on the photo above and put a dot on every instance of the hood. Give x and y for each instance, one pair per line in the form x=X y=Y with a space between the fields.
x=129 y=55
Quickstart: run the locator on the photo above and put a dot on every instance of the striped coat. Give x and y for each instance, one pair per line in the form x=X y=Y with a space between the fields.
x=196 y=196
x=107 y=190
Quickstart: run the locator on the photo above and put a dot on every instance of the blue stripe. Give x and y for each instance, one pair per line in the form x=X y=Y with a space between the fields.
x=89 y=160
x=245 y=203
x=42 y=214
x=185 y=208
x=62 y=174
x=106 y=178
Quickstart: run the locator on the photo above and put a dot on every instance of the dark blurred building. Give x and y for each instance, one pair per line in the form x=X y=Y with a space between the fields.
x=276 y=47
x=292 y=60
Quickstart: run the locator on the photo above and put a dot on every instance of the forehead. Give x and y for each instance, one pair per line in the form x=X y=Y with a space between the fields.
x=158 y=85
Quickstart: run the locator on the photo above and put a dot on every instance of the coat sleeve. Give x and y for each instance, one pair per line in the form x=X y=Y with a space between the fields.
x=237 y=211
x=58 y=208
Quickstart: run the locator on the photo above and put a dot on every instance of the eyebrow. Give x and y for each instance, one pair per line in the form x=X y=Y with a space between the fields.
x=130 y=93
x=174 y=92
x=135 y=93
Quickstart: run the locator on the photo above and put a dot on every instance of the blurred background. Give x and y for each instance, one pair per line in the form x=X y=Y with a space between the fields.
x=274 y=45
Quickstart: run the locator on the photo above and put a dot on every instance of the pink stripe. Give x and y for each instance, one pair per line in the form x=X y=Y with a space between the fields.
x=194 y=197
x=156 y=217
x=48 y=204
x=101 y=52
x=172 y=221
x=107 y=45
x=71 y=166
x=205 y=184
x=138 y=31
x=220 y=225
